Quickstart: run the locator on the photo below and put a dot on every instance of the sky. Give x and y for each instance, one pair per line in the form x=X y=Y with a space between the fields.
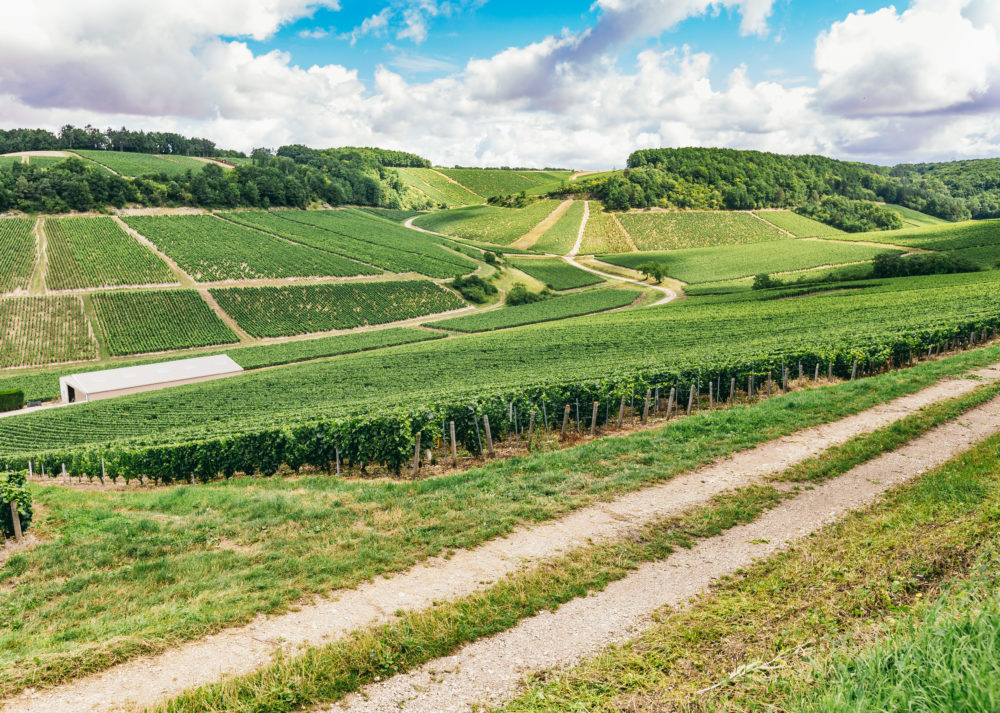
x=551 y=83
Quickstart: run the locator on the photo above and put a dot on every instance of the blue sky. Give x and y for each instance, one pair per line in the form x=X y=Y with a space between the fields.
x=491 y=82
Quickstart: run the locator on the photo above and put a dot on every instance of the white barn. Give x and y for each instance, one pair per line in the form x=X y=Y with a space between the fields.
x=95 y=385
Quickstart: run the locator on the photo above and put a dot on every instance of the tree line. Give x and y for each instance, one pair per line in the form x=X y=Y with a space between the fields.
x=91 y=138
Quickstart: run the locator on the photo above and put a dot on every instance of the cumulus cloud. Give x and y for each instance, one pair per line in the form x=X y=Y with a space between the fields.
x=938 y=55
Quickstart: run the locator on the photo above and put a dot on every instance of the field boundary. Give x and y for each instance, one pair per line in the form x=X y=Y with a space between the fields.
x=789 y=233
x=583 y=228
x=628 y=235
x=532 y=236
x=461 y=185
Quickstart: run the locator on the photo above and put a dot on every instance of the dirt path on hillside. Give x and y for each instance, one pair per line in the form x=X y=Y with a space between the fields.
x=36 y=283
x=628 y=235
x=446 y=177
x=888 y=246
x=184 y=279
x=243 y=649
x=669 y=294
x=583 y=227
x=491 y=669
x=531 y=237
x=244 y=336
x=776 y=227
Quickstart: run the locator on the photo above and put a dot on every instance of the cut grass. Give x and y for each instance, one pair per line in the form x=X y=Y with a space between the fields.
x=914 y=218
x=121 y=574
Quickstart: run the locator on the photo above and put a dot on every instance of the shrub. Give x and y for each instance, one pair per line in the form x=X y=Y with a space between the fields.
x=14 y=489
x=653 y=270
x=473 y=288
x=765 y=282
x=520 y=295
x=11 y=400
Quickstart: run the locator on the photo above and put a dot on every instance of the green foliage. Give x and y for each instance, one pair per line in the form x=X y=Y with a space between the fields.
x=727 y=262
x=764 y=281
x=157 y=320
x=473 y=288
x=14 y=489
x=952 y=236
x=561 y=237
x=44 y=330
x=851 y=216
x=210 y=249
x=655 y=271
x=801 y=226
x=17 y=253
x=894 y=265
x=11 y=399
x=96 y=252
x=556 y=273
x=914 y=218
x=284 y=311
x=540 y=310
x=491 y=224
x=521 y=295
x=132 y=165
x=971 y=183
x=695 y=229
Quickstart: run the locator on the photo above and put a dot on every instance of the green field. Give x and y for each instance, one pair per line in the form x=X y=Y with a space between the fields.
x=43 y=330
x=438 y=188
x=728 y=262
x=140 y=164
x=604 y=234
x=556 y=273
x=662 y=344
x=799 y=225
x=157 y=320
x=488 y=182
x=548 y=310
x=561 y=237
x=915 y=219
x=210 y=249
x=391 y=214
x=501 y=226
x=948 y=236
x=17 y=253
x=284 y=311
x=45 y=161
x=359 y=235
x=96 y=252
x=695 y=229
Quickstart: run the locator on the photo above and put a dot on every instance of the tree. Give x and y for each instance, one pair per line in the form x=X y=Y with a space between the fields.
x=653 y=270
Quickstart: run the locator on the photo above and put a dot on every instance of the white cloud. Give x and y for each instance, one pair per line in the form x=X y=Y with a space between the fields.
x=317 y=33
x=929 y=58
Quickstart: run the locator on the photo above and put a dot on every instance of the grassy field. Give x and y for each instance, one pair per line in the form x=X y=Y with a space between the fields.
x=139 y=164
x=695 y=229
x=556 y=273
x=43 y=330
x=604 y=234
x=549 y=310
x=284 y=311
x=17 y=253
x=239 y=547
x=45 y=161
x=488 y=182
x=799 y=225
x=157 y=320
x=501 y=226
x=729 y=262
x=438 y=188
x=96 y=252
x=915 y=219
x=561 y=237
x=210 y=249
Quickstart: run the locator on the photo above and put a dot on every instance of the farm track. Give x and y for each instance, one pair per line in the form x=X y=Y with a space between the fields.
x=888 y=246
x=583 y=227
x=490 y=670
x=669 y=294
x=460 y=185
x=789 y=233
x=243 y=649
x=628 y=235
x=531 y=237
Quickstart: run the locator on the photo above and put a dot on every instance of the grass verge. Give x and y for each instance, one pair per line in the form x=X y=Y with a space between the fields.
x=122 y=574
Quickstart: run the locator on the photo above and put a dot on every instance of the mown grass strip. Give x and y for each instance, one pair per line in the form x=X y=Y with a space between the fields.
x=736 y=648
x=325 y=674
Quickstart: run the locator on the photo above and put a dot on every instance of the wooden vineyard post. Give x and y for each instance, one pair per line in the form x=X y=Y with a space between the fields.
x=545 y=419
x=621 y=412
x=690 y=400
x=416 y=454
x=670 y=401
x=489 y=436
x=656 y=401
x=711 y=395
x=768 y=384
x=531 y=425
x=30 y=474
x=829 y=371
x=784 y=378
x=16 y=517
x=565 y=422
x=65 y=475
x=732 y=391
x=750 y=387
x=593 y=420
x=800 y=371
x=337 y=451
x=854 y=369
x=645 y=407
x=816 y=375
x=454 y=447
x=104 y=471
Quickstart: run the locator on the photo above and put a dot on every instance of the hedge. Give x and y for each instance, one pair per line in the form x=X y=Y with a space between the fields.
x=14 y=489
x=11 y=400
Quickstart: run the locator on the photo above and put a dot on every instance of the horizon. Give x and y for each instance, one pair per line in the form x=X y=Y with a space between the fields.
x=481 y=83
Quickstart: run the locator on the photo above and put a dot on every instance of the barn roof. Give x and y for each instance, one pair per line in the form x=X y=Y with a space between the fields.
x=131 y=377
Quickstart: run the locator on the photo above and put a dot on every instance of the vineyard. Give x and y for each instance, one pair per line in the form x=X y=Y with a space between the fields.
x=915 y=219
x=43 y=330
x=561 y=237
x=285 y=311
x=489 y=182
x=157 y=320
x=138 y=164
x=210 y=250
x=438 y=188
x=799 y=225
x=949 y=236
x=45 y=161
x=604 y=234
x=362 y=236
x=556 y=273
x=501 y=226
x=96 y=252
x=695 y=229
x=595 y=358
x=574 y=305
x=17 y=253
x=728 y=262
